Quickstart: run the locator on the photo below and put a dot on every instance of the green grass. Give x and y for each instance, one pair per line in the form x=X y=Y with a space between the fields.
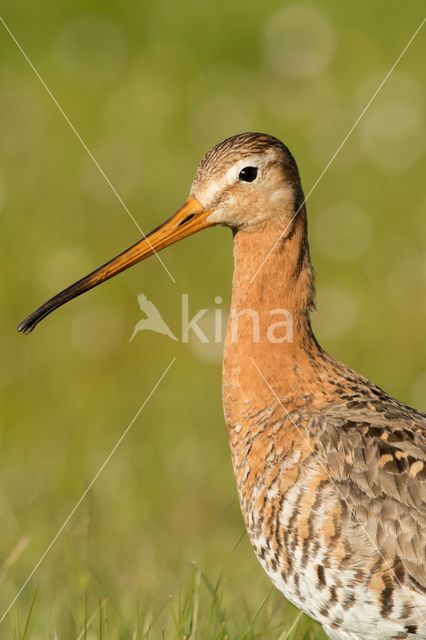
x=198 y=612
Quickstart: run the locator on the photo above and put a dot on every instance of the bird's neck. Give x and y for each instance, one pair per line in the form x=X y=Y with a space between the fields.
x=270 y=348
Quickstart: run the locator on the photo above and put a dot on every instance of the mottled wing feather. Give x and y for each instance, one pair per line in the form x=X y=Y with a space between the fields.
x=376 y=456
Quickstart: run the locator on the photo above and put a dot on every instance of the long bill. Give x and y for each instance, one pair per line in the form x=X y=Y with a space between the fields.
x=189 y=219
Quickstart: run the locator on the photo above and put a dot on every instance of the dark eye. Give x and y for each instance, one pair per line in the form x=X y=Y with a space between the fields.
x=248 y=174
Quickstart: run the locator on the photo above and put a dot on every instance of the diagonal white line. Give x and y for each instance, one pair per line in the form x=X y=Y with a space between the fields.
x=84 y=145
x=341 y=145
x=89 y=486
x=308 y=444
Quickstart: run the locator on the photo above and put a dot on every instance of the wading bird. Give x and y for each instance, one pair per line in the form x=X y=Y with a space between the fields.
x=331 y=471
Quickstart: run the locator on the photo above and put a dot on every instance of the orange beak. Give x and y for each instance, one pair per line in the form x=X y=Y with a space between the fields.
x=189 y=219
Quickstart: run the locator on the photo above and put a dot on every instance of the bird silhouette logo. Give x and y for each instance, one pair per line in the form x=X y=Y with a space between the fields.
x=153 y=320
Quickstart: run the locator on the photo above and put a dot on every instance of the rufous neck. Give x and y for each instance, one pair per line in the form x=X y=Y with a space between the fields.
x=273 y=272
x=269 y=332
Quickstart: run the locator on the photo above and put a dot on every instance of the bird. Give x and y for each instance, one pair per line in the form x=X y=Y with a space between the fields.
x=330 y=469
x=153 y=320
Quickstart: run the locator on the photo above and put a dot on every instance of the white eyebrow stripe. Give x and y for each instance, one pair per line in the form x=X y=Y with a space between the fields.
x=212 y=189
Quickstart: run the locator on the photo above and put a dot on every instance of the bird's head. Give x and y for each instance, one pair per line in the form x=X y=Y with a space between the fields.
x=242 y=182
x=246 y=180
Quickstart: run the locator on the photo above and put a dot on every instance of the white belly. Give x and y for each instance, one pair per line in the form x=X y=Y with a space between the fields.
x=360 y=621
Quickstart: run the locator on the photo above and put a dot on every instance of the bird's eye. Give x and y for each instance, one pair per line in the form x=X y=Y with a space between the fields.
x=248 y=174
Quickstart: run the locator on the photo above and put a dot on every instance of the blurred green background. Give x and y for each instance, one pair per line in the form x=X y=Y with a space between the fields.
x=150 y=86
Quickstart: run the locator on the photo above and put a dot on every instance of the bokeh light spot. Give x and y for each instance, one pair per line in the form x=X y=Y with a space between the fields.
x=400 y=83
x=299 y=41
x=392 y=135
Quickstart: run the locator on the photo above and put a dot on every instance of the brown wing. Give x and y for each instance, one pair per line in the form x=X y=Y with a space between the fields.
x=376 y=456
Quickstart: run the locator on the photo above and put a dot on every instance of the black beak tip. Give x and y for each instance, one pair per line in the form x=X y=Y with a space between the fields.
x=26 y=326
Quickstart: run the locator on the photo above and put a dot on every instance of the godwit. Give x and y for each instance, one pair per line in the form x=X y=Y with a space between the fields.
x=330 y=469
